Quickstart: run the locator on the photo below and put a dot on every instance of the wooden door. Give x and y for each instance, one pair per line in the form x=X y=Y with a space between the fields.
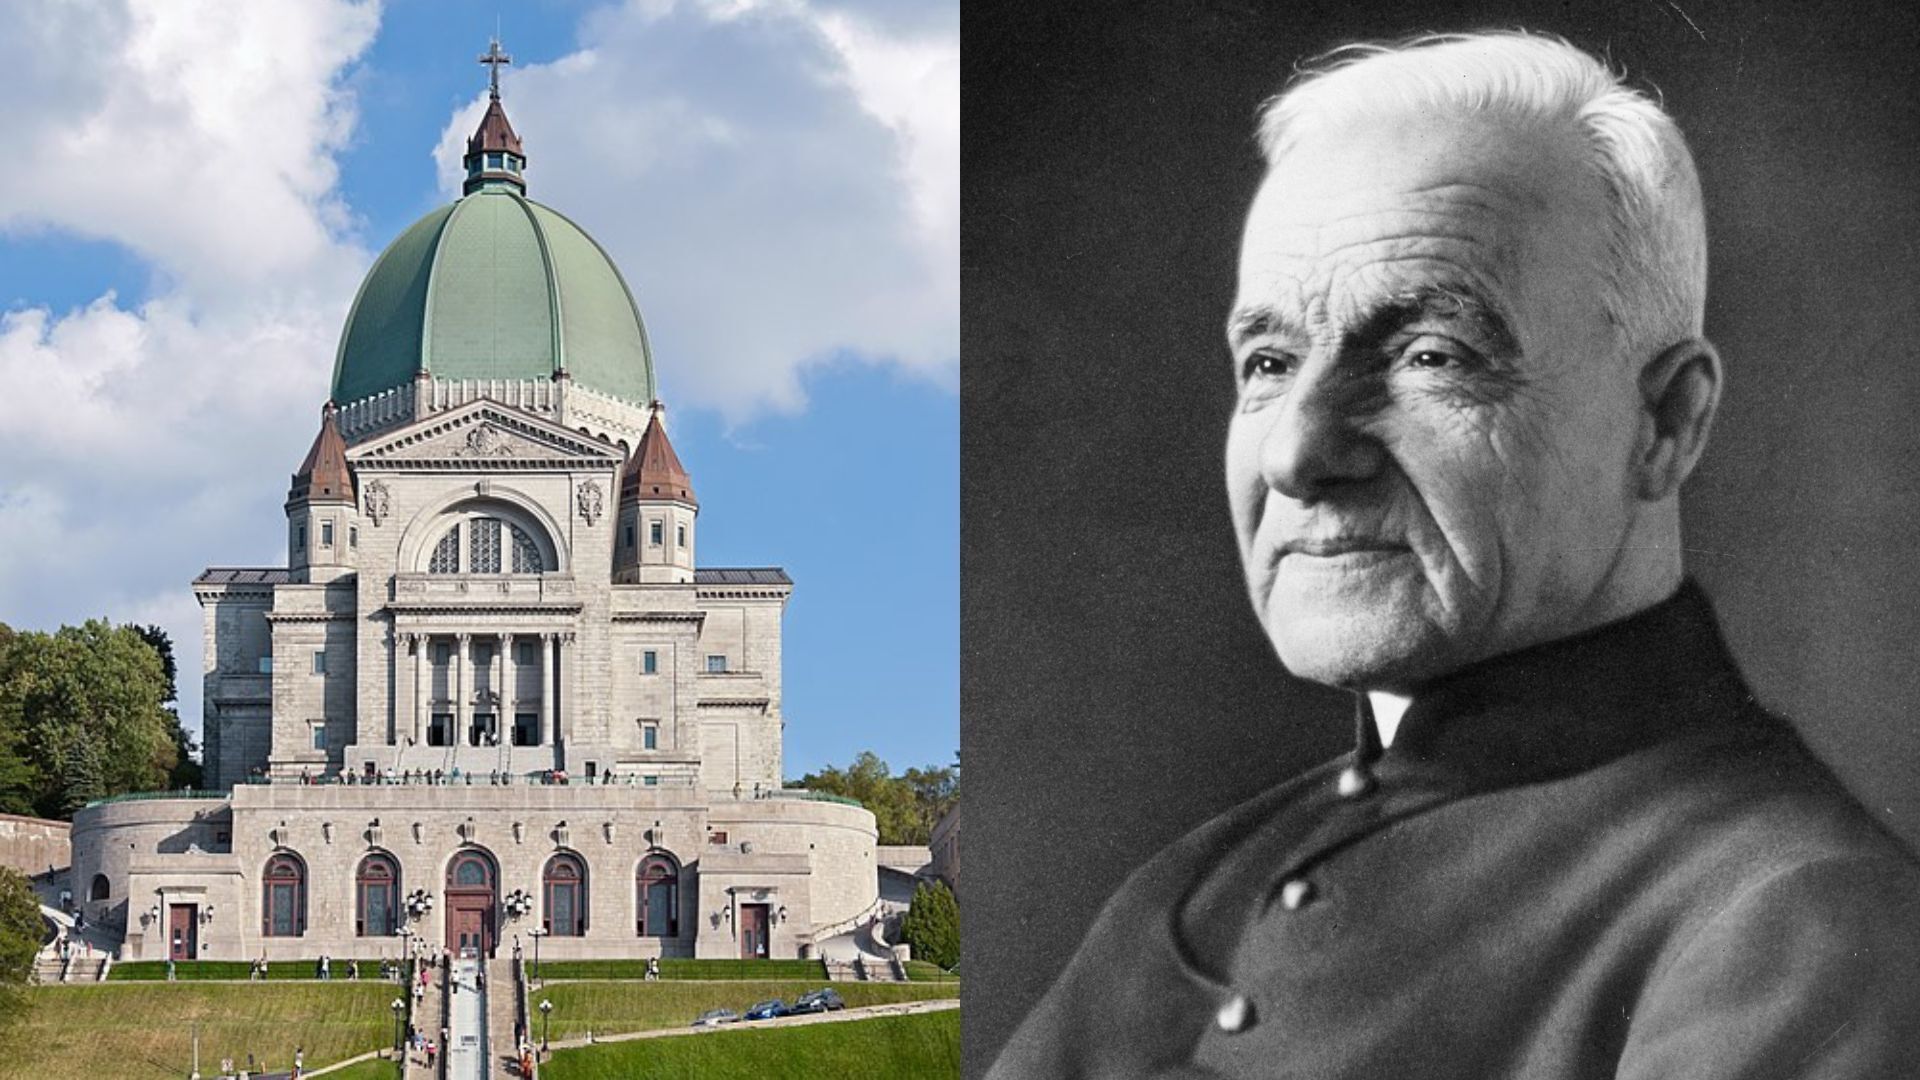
x=753 y=931
x=467 y=925
x=183 y=921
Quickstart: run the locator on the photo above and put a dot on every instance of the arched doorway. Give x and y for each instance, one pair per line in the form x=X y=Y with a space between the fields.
x=472 y=885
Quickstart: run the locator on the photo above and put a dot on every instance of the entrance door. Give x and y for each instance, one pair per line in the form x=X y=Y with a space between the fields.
x=183 y=921
x=753 y=931
x=467 y=927
x=471 y=885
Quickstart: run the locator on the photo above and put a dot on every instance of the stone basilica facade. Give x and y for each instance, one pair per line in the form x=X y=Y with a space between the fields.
x=491 y=695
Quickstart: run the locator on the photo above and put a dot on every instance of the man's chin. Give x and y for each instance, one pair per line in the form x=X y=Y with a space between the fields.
x=1373 y=650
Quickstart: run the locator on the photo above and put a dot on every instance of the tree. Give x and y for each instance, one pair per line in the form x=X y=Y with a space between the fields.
x=187 y=772
x=19 y=927
x=904 y=807
x=82 y=714
x=932 y=925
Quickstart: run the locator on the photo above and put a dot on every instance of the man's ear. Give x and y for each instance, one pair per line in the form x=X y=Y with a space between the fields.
x=1679 y=392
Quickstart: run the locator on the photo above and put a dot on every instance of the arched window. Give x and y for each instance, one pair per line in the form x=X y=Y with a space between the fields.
x=100 y=890
x=659 y=883
x=566 y=894
x=494 y=546
x=284 y=909
x=470 y=871
x=376 y=893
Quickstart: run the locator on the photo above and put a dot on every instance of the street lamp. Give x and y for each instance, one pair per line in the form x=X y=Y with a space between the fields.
x=399 y=1033
x=536 y=933
x=546 y=1020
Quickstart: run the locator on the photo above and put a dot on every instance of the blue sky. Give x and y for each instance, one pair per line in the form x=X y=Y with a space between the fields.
x=195 y=193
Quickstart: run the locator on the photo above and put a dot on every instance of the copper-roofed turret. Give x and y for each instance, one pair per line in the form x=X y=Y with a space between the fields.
x=323 y=476
x=654 y=472
x=494 y=155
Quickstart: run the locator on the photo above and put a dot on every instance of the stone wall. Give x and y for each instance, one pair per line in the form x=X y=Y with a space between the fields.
x=31 y=845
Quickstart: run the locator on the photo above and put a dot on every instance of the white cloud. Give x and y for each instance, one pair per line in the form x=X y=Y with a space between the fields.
x=140 y=442
x=778 y=183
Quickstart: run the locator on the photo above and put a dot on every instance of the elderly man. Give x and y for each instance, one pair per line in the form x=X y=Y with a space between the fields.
x=1472 y=378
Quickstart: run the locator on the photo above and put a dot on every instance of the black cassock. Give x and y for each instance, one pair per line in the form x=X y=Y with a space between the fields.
x=1593 y=858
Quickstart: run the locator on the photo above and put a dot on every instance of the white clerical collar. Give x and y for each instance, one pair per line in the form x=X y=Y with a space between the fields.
x=1388 y=708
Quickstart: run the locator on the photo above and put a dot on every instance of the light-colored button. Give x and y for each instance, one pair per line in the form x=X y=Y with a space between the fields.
x=1236 y=1015
x=1355 y=782
x=1296 y=894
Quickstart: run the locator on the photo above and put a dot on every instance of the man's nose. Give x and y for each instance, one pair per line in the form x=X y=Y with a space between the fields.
x=1319 y=440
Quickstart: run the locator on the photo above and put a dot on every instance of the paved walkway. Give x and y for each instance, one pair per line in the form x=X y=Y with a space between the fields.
x=466 y=1054
x=906 y=1008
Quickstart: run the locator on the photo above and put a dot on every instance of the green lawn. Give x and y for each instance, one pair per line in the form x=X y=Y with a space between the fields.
x=134 y=1031
x=613 y=1007
x=235 y=970
x=925 y=1047
x=681 y=969
x=372 y=1069
x=927 y=971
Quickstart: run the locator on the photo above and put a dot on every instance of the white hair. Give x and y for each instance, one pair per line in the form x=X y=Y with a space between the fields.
x=1657 y=235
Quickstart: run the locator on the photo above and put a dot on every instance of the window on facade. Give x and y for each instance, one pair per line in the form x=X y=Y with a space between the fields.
x=650 y=781
x=649 y=663
x=266 y=665
x=658 y=881
x=650 y=736
x=319 y=736
x=655 y=532
x=353 y=536
x=101 y=889
x=493 y=161
x=319 y=662
x=526 y=554
x=717 y=838
x=446 y=557
x=629 y=536
x=483 y=546
x=377 y=896
x=470 y=871
x=717 y=664
x=526 y=729
x=284 y=907
x=493 y=546
x=440 y=730
x=680 y=535
x=326 y=534
x=442 y=653
x=566 y=894
x=300 y=536
x=528 y=653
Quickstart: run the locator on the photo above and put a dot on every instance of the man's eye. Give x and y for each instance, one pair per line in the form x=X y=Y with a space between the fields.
x=1431 y=358
x=1266 y=366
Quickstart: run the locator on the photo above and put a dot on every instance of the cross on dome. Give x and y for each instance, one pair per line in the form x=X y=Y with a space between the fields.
x=494 y=58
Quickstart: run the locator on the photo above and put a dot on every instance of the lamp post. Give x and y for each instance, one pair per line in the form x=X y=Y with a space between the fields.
x=546 y=1020
x=399 y=1032
x=536 y=934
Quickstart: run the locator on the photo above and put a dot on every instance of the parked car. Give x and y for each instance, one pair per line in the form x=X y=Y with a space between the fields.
x=767 y=1010
x=716 y=1017
x=818 y=1001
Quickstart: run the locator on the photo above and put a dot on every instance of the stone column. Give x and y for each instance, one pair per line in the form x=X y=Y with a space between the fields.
x=503 y=690
x=508 y=691
x=459 y=684
x=546 y=690
x=422 y=686
x=567 y=713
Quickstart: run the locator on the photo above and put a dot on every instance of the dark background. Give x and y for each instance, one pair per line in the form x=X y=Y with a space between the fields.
x=1116 y=688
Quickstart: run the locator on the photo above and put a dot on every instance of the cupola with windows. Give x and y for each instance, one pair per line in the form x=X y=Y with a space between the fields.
x=657 y=511
x=323 y=522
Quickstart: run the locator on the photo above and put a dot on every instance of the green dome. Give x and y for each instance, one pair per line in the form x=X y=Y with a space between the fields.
x=494 y=286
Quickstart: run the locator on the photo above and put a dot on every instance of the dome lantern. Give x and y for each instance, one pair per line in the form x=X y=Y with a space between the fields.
x=494 y=154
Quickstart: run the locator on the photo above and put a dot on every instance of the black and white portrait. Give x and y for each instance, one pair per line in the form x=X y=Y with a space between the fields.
x=1437 y=588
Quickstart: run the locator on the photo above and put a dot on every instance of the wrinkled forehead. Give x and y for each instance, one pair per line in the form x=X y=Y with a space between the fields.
x=1415 y=198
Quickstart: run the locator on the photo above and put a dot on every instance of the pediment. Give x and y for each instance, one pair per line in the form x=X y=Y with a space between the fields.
x=483 y=435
